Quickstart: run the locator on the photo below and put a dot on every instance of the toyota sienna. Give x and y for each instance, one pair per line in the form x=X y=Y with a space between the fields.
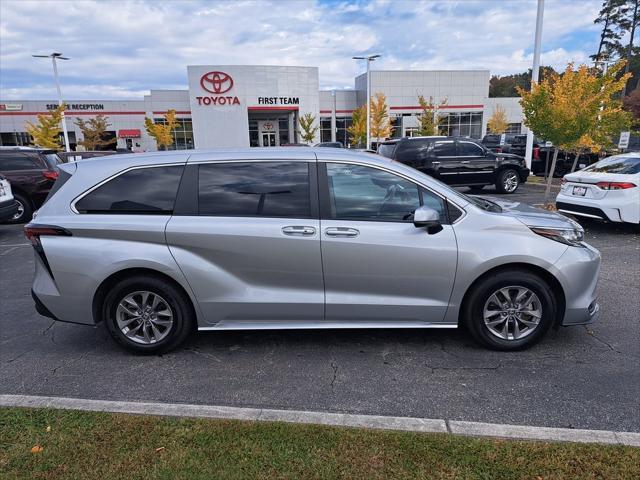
x=157 y=245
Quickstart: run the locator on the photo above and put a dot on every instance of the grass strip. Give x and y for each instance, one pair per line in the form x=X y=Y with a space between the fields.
x=87 y=445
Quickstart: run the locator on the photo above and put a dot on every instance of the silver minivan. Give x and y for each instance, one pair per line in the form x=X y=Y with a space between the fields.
x=157 y=245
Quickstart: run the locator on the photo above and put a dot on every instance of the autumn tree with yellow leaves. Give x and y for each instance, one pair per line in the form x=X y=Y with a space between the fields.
x=162 y=131
x=577 y=109
x=380 y=123
x=429 y=119
x=498 y=122
x=308 y=127
x=46 y=132
x=358 y=128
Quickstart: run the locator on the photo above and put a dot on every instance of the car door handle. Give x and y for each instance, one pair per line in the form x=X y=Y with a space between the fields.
x=465 y=161
x=435 y=163
x=298 y=230
x=342 y=232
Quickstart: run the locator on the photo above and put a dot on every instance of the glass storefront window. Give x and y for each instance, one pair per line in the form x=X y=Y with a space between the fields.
x=463 y=124
x=182 y=134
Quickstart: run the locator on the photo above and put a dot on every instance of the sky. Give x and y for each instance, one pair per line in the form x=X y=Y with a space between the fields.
x=122 y=49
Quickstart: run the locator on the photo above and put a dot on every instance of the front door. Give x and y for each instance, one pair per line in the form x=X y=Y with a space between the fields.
x=444 y=161
x=268 y=139
x=251 y=252
x=268 y=133
x=379 y=268
x=476 y=165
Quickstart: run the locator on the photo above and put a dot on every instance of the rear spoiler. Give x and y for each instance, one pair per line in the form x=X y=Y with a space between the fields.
x=69 y=168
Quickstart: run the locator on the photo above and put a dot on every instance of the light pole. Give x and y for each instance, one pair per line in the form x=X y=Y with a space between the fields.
x=53 y=57
x=369 y=59
x=534 y=76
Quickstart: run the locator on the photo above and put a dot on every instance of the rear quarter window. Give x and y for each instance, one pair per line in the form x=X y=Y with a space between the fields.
x=386 y=149
x=148 y=190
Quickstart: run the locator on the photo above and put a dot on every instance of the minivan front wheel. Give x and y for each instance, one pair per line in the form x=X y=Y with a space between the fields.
x=508 y=181
x=25 y=210
x=510 y=311
x=148 y=315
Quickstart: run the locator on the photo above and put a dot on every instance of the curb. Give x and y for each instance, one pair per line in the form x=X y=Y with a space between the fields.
x=476 y=429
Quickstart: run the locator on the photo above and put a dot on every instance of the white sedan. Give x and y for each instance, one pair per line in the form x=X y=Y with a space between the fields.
x=607 y=190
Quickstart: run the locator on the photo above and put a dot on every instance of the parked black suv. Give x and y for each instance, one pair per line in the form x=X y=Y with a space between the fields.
x=458 y=161
x=32 y=172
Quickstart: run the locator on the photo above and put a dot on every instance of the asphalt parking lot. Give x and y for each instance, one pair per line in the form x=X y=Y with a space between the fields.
x=580 y=377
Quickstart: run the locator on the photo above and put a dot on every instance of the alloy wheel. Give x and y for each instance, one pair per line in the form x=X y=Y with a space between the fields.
x=512 y=313
x=20 y=211
x=144 y=317
x=510 y=182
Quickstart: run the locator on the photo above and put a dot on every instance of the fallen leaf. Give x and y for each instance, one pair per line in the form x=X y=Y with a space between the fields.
x=159 y=449
x=36 y=449
x=48 y=428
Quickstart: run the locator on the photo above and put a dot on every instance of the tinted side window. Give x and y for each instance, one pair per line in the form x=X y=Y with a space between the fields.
x=444 y=149
x=469 y=149
x=266 y=189
x=386 y=149
x=149 y=190
x=17 y=161
x=411 y=149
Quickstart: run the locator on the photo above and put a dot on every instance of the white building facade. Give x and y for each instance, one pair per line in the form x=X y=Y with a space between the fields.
x=261 y=106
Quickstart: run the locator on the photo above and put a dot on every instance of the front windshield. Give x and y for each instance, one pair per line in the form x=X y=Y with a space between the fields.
x=483 y=203
x=623 y=165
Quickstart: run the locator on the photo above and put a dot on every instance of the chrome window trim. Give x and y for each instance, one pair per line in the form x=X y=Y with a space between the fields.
x=108 y=179
x=412 y=180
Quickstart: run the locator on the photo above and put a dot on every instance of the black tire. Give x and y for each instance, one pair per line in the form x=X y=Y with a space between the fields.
x=476 y=188
x=472 y=312
x=178 y=302
x=508 y=181
x=26 y=209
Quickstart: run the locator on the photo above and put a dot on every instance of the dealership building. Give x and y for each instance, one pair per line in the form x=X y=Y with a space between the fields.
x=260 y=106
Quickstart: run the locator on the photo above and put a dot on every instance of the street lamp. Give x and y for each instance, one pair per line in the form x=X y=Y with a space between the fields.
x=53 y=58
x=369 y=59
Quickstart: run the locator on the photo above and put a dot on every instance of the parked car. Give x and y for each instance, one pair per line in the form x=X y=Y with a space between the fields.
x=491 y=142
x=607 y=190
x=32 y=172
x=458 y=161
x=330 y=144
x=78 y=155
x=8 y=205
x=156 y=245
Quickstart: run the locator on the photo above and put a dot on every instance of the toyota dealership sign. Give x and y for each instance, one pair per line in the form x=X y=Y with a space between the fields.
x=217 y=84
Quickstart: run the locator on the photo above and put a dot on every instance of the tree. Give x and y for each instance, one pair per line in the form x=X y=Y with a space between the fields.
x=46 y=132
x=609 y=17
x=358 y=128
x=163 y=130
x=94 y=133
x=429 y=119
x=507 y=86
x=380 y=122
x=629 y=24
x=632 y=105
x=307 y=128
x=575 y=109
x=498 y=122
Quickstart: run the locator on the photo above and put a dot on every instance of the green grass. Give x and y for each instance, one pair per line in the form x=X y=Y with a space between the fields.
x=85 y=445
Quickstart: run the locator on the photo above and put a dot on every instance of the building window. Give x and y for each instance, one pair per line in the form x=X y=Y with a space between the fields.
x=342 y=135
x=461 y=124
x=325 y=129
x=15 y=139
x=514 y=128
x=182 y=134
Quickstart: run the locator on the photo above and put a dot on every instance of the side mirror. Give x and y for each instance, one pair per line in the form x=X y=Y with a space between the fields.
x=427 y=217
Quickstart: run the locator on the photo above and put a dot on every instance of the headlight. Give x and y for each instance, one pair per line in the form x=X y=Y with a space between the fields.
x=568 y=236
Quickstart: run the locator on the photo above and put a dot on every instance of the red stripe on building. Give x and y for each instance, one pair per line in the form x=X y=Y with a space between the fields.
x=444 y=107
x=337 y=111
x=67 y=113
x=292 y=107
x=183 y=112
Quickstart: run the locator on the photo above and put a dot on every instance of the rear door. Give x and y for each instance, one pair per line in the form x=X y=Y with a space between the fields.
x=22 y=170
x=476 y=165
x=246 y=235
x=444 y=160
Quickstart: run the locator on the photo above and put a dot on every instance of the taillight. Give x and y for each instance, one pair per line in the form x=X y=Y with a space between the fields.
x=615 y=185
x=563 y=181
x=34 y=231
x=50 y=175
x=536 y=153
x=499 y=150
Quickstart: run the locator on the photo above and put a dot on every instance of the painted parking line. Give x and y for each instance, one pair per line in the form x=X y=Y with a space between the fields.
x=326 y=418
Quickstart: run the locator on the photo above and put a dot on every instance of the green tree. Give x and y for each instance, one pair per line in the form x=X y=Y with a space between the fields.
x=429 y=119
x=358 y=128
x=162 y=131
x=498 y=122
x=609 y=17
x=46 y=132
x=307 y=128
x=575 y=109
x=94 y=133
x=507 y=85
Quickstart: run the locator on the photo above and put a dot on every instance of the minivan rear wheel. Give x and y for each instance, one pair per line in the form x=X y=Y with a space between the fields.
x=25 y=209
x=148 y=315
x=511 y=310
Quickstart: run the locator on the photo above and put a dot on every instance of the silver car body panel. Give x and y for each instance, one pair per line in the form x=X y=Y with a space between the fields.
x=243 y=273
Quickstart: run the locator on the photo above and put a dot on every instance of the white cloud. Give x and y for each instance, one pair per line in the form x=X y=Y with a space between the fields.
x=121 y=49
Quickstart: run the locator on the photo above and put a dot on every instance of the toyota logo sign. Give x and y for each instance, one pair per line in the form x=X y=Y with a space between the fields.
x=216 y=82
